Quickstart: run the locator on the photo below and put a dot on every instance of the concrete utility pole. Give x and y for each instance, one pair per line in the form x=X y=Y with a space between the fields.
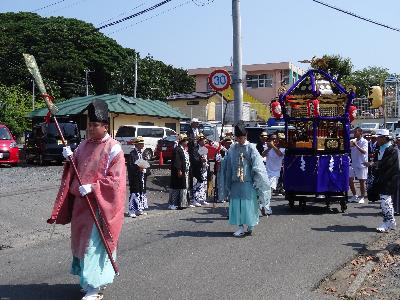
x=135 y=87
x=237 y=62
x=87 y=84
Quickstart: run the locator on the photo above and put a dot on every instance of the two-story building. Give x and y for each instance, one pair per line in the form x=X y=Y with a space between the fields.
x=261 y=81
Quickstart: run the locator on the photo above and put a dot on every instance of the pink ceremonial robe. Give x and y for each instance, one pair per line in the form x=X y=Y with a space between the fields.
x=101 y=164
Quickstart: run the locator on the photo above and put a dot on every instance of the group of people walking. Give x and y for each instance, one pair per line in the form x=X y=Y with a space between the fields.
x=375 y=163
x=246 y=176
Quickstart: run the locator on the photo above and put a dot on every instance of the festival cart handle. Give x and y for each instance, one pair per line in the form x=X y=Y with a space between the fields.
x=34 y=70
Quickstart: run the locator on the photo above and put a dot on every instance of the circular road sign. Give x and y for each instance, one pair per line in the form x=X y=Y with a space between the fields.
x=219 y=80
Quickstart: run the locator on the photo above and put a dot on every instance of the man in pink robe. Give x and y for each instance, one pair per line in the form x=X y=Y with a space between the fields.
x=101 y=165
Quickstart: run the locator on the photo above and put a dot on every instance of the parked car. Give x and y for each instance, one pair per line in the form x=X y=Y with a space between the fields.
x=167 y=145
x=151 y=135
x=43 y=144
x=391 y=126
x=9 y=152
x=369 y=126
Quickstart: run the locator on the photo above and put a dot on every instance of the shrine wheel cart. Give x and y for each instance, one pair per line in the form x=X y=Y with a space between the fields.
x=317 y=131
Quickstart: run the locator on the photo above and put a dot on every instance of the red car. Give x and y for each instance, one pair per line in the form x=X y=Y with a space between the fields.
x=167 y=145
x=9 y=152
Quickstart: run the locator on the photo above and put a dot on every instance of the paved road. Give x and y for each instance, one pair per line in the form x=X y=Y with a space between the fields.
x=183 y=254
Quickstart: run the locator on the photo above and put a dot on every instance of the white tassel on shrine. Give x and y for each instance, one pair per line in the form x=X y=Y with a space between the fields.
x=302 y=164
x=331 y=164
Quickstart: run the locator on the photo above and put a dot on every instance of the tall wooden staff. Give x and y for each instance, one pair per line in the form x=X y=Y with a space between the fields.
x=34 y=70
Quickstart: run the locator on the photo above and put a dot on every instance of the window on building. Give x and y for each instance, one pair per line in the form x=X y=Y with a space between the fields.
x=146 y=123
x=259 y=81
x=285 y=77
x=252 y=81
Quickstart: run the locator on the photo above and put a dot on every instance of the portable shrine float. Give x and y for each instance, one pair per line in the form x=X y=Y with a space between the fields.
x=317 y=111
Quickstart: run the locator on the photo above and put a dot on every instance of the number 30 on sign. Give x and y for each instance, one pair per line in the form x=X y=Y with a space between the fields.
x=219 y=80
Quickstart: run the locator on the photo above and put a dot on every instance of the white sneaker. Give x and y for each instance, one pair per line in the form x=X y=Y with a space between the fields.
x=172 y=207
x=361 y=200
x=354 y=199
x=268 y=211
x=93 y=294
x=386 y=226
x=132 y=215
x=205 y=203
x=240 y=232
x=142 y=213
x=191 y=205
x=197 y=204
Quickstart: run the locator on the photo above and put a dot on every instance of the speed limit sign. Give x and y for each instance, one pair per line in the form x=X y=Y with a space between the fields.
x=219 y=80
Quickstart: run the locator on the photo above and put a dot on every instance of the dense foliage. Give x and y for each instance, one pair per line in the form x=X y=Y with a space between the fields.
x=335 y=65
x=15 y=103
x=64 y=48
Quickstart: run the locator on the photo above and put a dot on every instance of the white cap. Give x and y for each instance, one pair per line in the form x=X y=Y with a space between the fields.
x=382 y=132
x=194 y=120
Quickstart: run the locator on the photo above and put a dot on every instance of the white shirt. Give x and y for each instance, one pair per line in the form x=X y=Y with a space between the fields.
x=357 y=158
x=273 y=162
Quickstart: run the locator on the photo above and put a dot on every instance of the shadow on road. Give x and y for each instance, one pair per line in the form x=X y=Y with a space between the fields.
x=310 y=209
x=203 y=220
x=362 y=214
x=345 y=228
x=197 y=234
x=42 y=291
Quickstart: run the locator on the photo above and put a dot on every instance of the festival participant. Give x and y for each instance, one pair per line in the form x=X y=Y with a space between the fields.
x=386 y=169
x=359 y=155
x=262 y=143
x=219 y=163
x=180 y=164
x=101 y=165
x=273 y=163
x=199 y=165
x=137 y=175
x=242 y=178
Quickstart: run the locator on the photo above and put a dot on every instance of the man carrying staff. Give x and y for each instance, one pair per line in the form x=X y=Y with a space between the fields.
x=101 y=165
x=243 y=177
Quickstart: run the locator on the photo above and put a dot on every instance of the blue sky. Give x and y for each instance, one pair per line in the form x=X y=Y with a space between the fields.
x=191 y=36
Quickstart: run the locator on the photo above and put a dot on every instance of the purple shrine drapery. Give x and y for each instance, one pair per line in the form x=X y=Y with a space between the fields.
x=316 y=173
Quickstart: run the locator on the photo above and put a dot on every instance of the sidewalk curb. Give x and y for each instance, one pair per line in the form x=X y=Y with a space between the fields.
x=365 y=271
x=356 y=284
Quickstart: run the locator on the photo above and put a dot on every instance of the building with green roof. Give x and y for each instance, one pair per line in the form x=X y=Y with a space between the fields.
x=123 y=110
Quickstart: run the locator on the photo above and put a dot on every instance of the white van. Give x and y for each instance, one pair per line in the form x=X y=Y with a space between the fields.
x=151 y=135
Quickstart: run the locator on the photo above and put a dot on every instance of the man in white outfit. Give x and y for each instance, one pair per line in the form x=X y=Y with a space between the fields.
x=273 y=163
x=359 y=155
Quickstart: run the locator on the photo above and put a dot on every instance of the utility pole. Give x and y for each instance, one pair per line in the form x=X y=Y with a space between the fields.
x=87 y=84
x=33 y=95
x=136 y=79
x=237 y=73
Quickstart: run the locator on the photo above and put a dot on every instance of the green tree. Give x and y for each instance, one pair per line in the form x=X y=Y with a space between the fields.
x=335 y=65
x=365 y=78
x=64 y=48
x=156 y=80
x=15 y=104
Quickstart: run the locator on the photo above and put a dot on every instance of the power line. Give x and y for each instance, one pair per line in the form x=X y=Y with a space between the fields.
x=134 y=15
x=121 y=14
x=152 y=17
x=66 y=6
x=49 y=5
x=357 y=16
x=202 y=3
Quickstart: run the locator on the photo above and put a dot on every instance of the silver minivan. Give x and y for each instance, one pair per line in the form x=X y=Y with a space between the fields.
x=150 y=134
